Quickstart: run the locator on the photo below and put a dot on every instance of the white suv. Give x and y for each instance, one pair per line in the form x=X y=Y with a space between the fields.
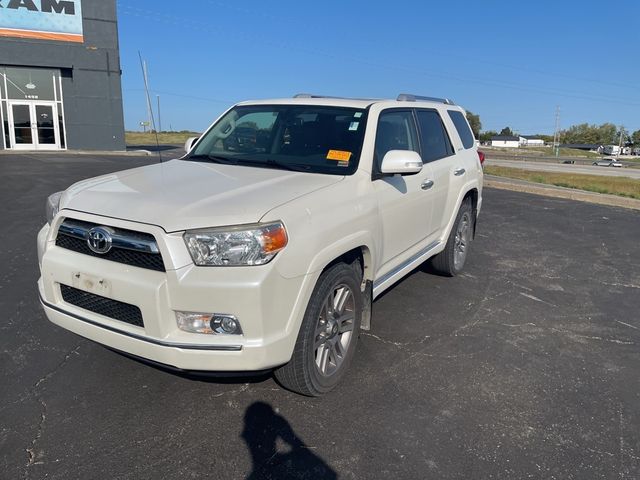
x=264 y=246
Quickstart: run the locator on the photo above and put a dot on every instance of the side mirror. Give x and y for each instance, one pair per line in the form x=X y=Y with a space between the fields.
x=403 y=162
x=189 y=143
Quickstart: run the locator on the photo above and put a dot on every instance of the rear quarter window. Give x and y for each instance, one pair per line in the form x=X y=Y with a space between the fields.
x=462 y=126
x=434 y=140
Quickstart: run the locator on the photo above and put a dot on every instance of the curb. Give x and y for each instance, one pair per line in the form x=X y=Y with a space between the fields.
x=127 y=153
x=560 y=192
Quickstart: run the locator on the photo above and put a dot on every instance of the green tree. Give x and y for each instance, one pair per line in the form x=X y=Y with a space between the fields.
x=635 y=138
x=604 y=134
x=506 y=131
x=475 y=123
x=545 y=138
x=486 y=136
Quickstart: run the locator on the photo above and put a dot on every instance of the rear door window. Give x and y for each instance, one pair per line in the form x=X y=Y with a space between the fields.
x=462 y=126
x=434 y=139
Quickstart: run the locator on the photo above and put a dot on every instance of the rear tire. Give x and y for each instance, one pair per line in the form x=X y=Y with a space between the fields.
x=451 y=260
x=328 y=335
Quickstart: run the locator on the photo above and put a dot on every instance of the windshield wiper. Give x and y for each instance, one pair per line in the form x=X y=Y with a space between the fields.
x=214 y=158
x=270 y=163
x=267 y=163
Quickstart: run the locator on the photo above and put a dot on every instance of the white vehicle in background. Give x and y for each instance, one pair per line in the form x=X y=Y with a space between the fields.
x=607 y=162
x=265 y=245
x=611 y=150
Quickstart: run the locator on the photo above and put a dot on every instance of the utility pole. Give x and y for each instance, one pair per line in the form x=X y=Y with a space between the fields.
x=556 y=135
x=620 y=142
x=159 y=116
x=145 y=74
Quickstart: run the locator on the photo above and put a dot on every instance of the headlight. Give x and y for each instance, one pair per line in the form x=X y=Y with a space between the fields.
x=53 y=206
x=235 y=246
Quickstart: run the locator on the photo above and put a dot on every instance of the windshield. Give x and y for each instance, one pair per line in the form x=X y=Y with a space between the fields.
x=315 y=139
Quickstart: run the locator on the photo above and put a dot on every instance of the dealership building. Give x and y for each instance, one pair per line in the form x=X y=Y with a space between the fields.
x=60 y=77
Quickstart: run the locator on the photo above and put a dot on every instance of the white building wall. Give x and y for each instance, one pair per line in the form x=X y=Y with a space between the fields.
x=505 y=143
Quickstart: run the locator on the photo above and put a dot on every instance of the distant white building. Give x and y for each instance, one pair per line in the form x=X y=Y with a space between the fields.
x=531 y=141
x=505 y=141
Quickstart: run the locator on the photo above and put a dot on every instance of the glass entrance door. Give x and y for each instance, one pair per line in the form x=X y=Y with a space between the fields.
x=45 y=126
x=33 y=126
x=22 y=133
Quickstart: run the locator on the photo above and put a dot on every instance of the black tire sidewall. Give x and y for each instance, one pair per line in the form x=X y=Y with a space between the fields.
x=338 y=274
x=465 y=207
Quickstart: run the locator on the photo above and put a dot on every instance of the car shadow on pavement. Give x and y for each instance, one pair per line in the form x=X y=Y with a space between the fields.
x=276 y=451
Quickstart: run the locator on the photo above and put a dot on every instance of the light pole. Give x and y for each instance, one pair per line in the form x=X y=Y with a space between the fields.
x=556 y=134
x=620 y=142
x=159 y=116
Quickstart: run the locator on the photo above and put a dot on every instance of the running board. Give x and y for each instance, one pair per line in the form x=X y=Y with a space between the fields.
x=389 y=278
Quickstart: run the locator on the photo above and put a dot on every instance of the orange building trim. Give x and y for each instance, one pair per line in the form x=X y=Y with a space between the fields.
x=63 y=37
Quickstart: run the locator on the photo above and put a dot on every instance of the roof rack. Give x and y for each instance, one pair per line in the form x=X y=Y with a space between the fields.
x=408 y=97
x=403 y=97
x=311 y=95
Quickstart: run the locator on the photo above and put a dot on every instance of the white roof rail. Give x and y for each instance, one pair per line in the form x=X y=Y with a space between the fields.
x=409 y=97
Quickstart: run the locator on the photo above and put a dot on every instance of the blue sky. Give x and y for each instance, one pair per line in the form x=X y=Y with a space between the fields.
x=510 y=62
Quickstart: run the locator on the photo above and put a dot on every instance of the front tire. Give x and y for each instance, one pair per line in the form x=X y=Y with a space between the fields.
x=328 y=335
x=451 y=260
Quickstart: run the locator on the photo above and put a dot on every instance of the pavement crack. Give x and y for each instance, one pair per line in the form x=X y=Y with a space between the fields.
x=625 y=285
x=33 y=390
x=593 y=337
x=627 y=325
x=32 y=455
x=395 y=344
x=534 y=298
x=243 y=388
x=58 y=367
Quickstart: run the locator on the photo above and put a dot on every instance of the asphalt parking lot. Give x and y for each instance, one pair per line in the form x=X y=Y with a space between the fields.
x=526 y=366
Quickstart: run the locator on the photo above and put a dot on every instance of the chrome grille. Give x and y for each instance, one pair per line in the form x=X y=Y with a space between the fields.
x=137 y=249
x=121 y=311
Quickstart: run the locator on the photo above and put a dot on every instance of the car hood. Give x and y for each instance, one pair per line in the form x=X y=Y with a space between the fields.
x=181 y=195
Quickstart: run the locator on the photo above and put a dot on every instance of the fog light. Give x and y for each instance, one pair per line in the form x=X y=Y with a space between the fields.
x=208 y=323
x=226 y=324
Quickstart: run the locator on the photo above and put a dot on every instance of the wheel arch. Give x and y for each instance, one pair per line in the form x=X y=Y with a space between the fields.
x=361 y=258
x=473 y=194
x=471 y=190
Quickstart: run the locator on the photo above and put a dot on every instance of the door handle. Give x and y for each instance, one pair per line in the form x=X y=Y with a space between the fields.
x=459 y=171
x=427 y=184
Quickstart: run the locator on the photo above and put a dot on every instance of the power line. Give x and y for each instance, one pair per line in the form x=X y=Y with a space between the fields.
x=465 y=79
x=465 y=58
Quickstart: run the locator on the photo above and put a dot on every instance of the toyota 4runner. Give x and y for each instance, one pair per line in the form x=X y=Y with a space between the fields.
x=264 y=246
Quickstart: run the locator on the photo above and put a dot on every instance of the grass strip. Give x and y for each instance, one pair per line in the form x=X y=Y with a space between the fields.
x=164 y=138
x=622 y=186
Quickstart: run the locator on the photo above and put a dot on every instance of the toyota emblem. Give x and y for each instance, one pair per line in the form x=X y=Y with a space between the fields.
x=99 y=240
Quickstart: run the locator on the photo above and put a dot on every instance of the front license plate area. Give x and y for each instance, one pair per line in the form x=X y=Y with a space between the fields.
x=91 y=283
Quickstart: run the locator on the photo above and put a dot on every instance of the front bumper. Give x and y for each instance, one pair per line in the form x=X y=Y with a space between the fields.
x=269 y=306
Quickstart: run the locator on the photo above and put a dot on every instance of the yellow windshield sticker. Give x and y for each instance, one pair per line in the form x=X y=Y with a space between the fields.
x=339 y=155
